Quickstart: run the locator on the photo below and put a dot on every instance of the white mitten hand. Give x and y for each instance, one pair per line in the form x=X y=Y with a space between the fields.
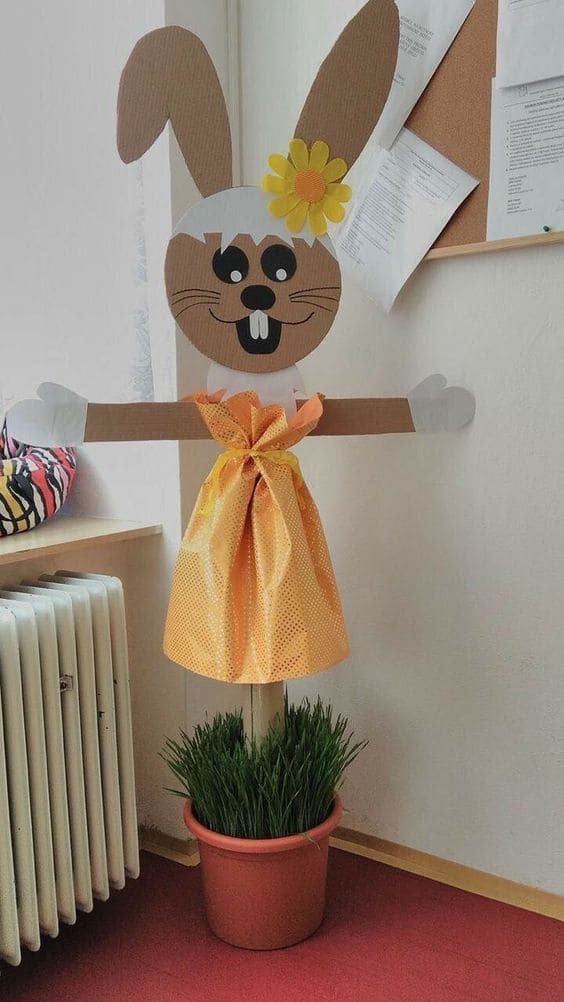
x=57 y=418
x=437 y=407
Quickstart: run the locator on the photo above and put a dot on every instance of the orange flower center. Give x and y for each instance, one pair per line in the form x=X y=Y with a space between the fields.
x=310 y=185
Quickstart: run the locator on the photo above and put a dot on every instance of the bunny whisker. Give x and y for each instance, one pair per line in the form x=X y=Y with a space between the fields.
x=314 y=295
x=203 y=302
x=194 y=295
x=318 y=306
x=209 y=292
x=316 y=288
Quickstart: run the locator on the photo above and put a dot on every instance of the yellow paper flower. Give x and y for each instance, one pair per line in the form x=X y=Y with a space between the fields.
x=307 y=186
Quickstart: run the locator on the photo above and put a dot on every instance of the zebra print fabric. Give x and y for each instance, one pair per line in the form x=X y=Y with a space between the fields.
x=34 y=483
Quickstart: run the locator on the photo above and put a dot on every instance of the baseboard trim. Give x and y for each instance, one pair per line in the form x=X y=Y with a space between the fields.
x=444 y=871
x=184 y=851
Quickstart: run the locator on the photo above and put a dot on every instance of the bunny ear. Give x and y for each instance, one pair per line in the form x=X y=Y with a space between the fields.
x=352 y=85
x=169 y=75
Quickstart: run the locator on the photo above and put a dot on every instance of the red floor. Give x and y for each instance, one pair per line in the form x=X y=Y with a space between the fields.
x=388 y=936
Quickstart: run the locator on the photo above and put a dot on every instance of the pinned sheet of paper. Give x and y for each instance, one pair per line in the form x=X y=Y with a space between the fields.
x=527 y=160
x=408 y=198
x=427 y=30
x=530 y=41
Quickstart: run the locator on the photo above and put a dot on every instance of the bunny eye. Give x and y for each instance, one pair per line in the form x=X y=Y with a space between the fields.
x=279 y=263
x=231 y=265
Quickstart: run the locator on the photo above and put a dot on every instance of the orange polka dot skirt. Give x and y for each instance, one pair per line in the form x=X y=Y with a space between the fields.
x=254 y=597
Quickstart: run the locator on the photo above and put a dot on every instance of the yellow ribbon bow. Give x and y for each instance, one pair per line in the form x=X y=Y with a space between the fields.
x=276 y=455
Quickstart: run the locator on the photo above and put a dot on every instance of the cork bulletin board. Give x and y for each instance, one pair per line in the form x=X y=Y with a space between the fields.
x=453 y=116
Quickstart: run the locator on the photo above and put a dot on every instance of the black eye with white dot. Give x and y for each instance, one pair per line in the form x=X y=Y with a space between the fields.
x=279 y=263
x=231 y=265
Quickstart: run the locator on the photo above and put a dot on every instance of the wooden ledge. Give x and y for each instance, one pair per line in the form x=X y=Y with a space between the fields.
x=66 y=532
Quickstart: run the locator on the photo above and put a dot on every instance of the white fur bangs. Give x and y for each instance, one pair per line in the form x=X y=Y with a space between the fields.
x=240 y=210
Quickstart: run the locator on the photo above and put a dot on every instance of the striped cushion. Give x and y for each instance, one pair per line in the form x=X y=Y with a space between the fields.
x=34 y=483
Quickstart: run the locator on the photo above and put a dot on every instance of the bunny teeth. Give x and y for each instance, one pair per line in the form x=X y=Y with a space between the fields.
x=258 y=322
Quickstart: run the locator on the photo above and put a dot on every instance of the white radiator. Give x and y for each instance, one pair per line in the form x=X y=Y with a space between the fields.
x=68 y=826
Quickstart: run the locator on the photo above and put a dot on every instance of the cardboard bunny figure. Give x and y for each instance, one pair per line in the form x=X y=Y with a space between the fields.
x=250 y=297
x=253 y=281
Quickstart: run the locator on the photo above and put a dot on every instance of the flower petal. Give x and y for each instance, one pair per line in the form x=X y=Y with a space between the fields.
x=281 y=165
x=333 y=210
x=275 y=185
x=319 y=155
x=316 y=220
x=297 y=217
x=342 y=192
x=335 y=170
x=283 y=205
x=299 y=154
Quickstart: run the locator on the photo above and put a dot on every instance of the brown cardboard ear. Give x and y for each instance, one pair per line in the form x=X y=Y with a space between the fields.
x=352 y=85
x=169 y=75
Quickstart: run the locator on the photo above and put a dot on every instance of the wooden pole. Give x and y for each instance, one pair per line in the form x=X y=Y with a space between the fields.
x=266 y=703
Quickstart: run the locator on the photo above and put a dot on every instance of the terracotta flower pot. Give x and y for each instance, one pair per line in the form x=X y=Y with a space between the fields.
x=264 y=894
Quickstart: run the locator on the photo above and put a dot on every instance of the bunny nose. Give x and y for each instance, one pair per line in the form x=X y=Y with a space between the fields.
x=258 y=297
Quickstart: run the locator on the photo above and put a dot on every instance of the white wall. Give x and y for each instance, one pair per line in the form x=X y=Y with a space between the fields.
x=448 y=549
x=68 y=296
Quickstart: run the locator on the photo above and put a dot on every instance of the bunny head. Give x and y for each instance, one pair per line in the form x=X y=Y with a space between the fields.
x=253 y=280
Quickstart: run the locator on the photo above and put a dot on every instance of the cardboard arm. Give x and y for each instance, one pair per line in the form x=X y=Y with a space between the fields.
x=60 y=417
x=144 y=422
x=365 y=416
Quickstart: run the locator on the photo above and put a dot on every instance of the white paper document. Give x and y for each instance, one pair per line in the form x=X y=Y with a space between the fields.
x=410 y=194
x=427 y=30
x=527 y=160
x=530 y=41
